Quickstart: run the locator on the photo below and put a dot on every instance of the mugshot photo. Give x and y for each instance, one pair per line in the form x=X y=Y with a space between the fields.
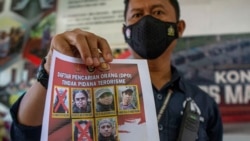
x=104 y=101
x=107 y=129
x=81 y=102
x=127 y=97
x=83 y=130
x=61 y=101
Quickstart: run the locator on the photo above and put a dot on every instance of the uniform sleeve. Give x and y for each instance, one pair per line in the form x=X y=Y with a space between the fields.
x=19 y=132
x=215 y=126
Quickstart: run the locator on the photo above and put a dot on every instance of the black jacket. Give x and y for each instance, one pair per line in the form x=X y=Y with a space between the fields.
x=210 y=129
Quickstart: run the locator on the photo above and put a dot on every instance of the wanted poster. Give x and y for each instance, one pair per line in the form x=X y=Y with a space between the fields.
x=113 y=102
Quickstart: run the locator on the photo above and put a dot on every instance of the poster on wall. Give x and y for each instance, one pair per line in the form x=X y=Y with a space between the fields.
x=111 y=102
x=102 y=17
x=41 y=31
x=19 y=27
x=220 y=65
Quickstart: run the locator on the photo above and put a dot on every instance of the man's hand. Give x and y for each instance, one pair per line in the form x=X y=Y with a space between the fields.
x=82 y=44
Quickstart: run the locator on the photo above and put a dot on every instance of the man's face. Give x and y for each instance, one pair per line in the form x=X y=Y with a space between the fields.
x=106 y=99
x=127 y=97
x=160 y=9
x=80 y=100
x=105 y=129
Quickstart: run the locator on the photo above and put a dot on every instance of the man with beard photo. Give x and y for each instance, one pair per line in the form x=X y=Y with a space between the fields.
x=106 y=130
x=80 y=102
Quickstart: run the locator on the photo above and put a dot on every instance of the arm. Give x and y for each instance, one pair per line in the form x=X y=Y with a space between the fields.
x=31 y=107
x=77 y=43
x=73 y=43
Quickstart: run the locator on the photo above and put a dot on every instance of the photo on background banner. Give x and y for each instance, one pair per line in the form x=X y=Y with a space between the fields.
x=11 y=39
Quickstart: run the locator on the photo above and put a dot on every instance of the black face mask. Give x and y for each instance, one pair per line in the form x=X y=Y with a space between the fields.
x=150 y=37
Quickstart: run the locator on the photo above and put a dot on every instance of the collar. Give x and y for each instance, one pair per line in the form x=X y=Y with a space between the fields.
x=176 y=82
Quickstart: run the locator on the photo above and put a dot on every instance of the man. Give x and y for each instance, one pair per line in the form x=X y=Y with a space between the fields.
x=148 y=21
x=80 y=102
x=106 y=130
x=126 y=98
x=105 y=100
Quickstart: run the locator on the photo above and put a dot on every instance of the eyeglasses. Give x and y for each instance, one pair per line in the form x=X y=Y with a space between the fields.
x=81 y=98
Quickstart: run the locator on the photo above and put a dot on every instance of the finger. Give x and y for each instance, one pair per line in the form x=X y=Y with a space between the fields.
x=84 y=44
x=61 y=44
x=94 y=49
x=96 y=45
x=105 y=49
x=78 y=41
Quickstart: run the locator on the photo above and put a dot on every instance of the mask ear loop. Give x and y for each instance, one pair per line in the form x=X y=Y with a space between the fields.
x=126 y=32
